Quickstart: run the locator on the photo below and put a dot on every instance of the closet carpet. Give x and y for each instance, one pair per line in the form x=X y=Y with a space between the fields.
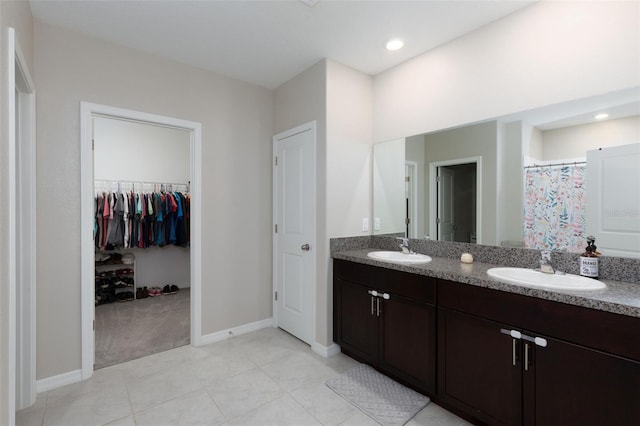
x=130 y=330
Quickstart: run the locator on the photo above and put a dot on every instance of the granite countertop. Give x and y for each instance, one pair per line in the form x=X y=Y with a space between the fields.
x=619 y=297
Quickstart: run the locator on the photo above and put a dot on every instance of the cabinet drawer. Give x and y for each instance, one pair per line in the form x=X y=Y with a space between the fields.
x=612 y=333
x=404 y=284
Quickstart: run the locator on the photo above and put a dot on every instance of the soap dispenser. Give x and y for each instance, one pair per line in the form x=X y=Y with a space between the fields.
x=589 y=259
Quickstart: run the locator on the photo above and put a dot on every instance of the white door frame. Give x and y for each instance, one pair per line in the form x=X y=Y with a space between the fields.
x=88 y=110
x=288 y=133
x=19 y=333
x=412 y=169
x=433 y=194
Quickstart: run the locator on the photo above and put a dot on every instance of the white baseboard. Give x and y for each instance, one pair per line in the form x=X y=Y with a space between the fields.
x=325 y=351
x=235 y=331
x=60 y=380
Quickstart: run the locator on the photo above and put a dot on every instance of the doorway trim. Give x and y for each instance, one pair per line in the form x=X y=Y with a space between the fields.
x=18 y=333
x=433 y=194
x=87 y=111
x=412 y=174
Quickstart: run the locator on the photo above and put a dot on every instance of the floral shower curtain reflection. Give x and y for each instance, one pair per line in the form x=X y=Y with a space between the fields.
x=554 y=207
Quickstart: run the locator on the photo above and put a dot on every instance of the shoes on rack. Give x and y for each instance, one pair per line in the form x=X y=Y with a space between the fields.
x=124 y=296
x=102 y=258
x=174 y=289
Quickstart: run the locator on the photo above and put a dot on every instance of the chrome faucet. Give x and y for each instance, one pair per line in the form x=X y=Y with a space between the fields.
x=545 y=262
x=405 y=245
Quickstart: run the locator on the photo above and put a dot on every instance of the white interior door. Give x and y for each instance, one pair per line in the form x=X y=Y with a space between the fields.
x=446 y=197
x=613 y=204
x=295 y=223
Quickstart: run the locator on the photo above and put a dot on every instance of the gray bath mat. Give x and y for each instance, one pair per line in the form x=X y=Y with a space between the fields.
x=384 y=400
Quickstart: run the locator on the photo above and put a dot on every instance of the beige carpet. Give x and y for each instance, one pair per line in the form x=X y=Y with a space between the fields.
x=130 y=330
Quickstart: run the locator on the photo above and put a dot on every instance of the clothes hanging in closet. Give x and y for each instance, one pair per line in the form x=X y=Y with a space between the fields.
x=141 y=220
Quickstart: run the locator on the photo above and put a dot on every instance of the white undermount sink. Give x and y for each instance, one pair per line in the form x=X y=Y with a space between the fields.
x=399 y=257
x=533 y=278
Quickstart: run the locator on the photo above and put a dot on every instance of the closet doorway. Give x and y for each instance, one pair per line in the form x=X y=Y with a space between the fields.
x=455 y=199
x=144 y=256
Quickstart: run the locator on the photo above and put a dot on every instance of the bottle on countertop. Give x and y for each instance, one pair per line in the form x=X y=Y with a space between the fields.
x=589 y=259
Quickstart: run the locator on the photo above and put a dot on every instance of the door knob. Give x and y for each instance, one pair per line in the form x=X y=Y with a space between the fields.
x=305 y=247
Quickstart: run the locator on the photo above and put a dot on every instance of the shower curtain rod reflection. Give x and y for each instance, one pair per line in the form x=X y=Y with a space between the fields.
x=541 y=166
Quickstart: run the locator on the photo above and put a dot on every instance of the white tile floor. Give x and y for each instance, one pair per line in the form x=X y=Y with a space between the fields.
x=261 y=378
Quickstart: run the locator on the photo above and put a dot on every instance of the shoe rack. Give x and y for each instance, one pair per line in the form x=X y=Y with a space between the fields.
x=115 y=281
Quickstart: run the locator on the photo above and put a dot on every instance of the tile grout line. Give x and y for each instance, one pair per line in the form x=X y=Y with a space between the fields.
x=282 y=390
x=133 y=415
x=226 y=420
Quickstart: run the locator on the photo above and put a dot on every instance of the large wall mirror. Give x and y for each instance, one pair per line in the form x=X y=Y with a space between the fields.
x=542 y=179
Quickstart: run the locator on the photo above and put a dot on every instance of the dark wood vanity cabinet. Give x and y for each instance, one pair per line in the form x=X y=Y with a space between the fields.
x=477 y=371
x=571 y=384
x=387 y=319
x=507 y=359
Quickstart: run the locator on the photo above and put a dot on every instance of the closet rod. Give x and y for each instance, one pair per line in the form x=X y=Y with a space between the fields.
x=137 y=121
x=106 y=182
x=541 y=166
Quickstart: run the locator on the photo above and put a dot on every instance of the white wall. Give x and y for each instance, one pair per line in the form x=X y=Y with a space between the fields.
x=547 y=53
x=574 y=142
x=130 y=151
x=532 y=144
x=510 y=188
x=388 y=183
x=133 y=151
x=349 y=155
x=237 y=125
x=18 y=16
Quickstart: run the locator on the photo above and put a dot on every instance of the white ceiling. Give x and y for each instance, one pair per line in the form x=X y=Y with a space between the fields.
x=619 y=104
x=269 y=42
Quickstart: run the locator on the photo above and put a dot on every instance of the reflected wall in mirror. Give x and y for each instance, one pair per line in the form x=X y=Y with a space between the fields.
x=535 y=181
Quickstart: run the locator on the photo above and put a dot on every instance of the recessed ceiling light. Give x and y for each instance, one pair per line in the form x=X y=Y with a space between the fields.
x=601 y=116
x=395 y=44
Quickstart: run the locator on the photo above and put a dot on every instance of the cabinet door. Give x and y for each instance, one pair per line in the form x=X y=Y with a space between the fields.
x=407 y=341
x=567 y=384
x=358 y=324
x=479 y=370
